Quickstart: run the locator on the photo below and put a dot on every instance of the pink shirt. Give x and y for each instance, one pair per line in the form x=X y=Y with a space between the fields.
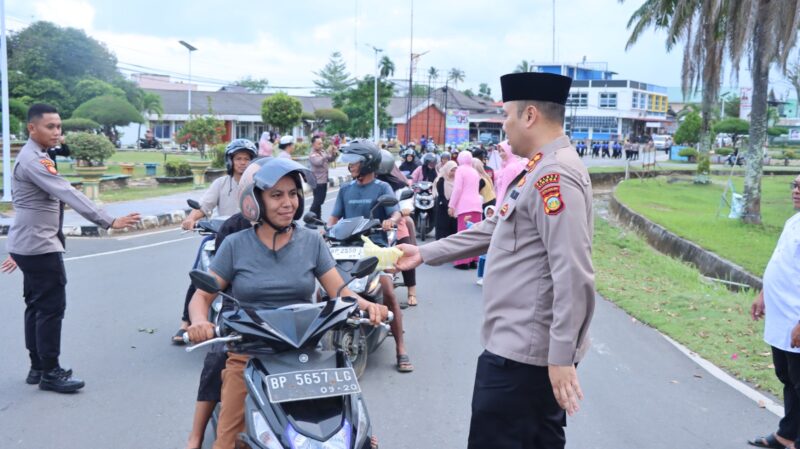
x=466 y=195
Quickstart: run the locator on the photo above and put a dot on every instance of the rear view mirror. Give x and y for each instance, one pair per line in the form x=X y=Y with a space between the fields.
x=387 y=200
x=364 y=267
x=202 y=280
x=406 y=195
x=311 y=218
x=193 y=204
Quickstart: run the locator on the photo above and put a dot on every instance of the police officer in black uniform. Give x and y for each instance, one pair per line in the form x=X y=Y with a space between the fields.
x=35 y=244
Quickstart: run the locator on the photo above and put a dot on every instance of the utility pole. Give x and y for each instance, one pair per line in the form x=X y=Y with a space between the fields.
x=375 y=129
x=554 y=30
x=410 y=78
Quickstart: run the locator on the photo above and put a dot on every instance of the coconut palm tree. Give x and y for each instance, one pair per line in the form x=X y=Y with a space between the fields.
x=524 y=66
x=773 y=29
x=151 y=104
x=455 y=75
x=386 y=67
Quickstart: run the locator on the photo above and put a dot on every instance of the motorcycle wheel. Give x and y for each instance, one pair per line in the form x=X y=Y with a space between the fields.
x=354 y=345
x=423 y=228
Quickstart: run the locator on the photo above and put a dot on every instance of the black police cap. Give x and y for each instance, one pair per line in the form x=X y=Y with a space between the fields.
x=535 y=86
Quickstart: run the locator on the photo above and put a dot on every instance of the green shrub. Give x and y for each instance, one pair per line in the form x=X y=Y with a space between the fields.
x=79 y=124
x=723 y=151
x=177 y=168
x=218 y=156
x=688 y=152
x=301 y=149
x=91 y=149
x=789 y=154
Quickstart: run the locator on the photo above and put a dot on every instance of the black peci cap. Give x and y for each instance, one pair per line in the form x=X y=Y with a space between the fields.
x=535 y=86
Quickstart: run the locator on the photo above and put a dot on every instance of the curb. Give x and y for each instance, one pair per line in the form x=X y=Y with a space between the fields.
x=152 y=221
x=666 y=242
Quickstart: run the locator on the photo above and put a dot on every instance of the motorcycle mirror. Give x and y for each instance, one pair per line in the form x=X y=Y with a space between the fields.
x=193 y=204
x=363 y=267
x=310 y=218
x=406 y=195
x=204 y=281
x=387 y=200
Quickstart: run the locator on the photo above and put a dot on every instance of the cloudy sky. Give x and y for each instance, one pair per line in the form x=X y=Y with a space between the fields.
x=285 y=41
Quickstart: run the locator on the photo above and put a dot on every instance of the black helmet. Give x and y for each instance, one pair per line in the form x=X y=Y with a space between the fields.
x=427 y=158
x=408 y=152
x=265 y=178
x=234 y=147
x=363 y=151
x=387 y=162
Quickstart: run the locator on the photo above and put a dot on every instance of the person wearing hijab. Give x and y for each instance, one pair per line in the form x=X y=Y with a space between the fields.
x=443 y=159
x=512 y=166
x=486 y=186
x=409 y=163
x=495 y=160
x=265 y=145
x=466 y=201
x=445 y=224
x=426 y=171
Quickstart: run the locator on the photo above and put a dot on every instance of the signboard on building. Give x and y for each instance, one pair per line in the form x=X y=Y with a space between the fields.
x=794 y=134
x=746 y=102
x=457 y=127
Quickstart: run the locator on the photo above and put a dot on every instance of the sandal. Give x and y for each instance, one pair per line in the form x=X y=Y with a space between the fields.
x=404 y=364
x=177 y=339
x=768 y=441
x=412 y=300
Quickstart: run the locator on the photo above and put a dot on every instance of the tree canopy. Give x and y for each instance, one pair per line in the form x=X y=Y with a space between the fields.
x=253 y=85
x=333 y=78
x=358 y=104
x=109 y=111
x=282 y=111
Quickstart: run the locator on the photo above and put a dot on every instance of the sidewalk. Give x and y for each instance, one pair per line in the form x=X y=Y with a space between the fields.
x=158 y=211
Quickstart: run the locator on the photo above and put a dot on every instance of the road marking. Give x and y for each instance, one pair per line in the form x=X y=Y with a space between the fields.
x=732 y=382
x=125 y=250
x=136 y=236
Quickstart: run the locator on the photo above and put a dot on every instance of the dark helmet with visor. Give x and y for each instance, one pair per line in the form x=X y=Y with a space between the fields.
x=364 y=152
x=236 y=146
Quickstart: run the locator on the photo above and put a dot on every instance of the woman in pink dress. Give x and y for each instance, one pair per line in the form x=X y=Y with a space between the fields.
x=466 y=201
x=512 y=166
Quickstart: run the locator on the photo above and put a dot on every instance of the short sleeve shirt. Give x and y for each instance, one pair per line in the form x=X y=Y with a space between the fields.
x=263 y=278
x=781 y=287
x=356 y=200
x=222 y=197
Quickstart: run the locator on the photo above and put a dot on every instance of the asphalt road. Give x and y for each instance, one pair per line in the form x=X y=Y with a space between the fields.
x=640 y=391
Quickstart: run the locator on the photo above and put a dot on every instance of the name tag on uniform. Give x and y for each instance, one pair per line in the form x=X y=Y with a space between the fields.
x=514 y=194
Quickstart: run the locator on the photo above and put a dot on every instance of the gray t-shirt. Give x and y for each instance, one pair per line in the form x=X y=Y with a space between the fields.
x=261 y=278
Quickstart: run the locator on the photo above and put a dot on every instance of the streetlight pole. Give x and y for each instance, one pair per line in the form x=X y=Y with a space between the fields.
x=6 y=118
x=191 y=49
x=375 y=129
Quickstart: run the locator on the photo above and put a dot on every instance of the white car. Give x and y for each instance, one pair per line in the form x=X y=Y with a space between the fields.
x=662 y=142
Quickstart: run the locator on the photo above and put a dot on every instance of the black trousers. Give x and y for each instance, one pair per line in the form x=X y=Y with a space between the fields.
x=513 y=407
x=787 y=370
x=320 y=191
x=44 y=289
x=409 y=276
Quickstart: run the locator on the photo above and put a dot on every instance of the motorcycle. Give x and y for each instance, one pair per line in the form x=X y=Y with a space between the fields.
x=298 y=394
x=423 y=208
x=346 y=246
x=734 y=159
x=149 y=144
x=208 y=228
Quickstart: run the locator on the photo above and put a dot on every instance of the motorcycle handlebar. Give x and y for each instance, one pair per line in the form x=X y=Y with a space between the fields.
x=209 y=342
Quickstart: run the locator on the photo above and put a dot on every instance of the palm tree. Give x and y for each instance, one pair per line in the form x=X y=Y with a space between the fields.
x=433 y=74
x=455 y=75
x=524 y=67
x=773 y=26
x=151 y=104
x=386 y=67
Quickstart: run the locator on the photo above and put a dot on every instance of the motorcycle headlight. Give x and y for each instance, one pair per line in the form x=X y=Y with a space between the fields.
x=359 y=285
x=263 y=433
x=339 y=441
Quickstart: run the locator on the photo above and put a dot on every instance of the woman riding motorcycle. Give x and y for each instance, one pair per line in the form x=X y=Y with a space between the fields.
x=272 y=265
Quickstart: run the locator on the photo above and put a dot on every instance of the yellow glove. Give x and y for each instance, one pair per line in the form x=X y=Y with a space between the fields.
x=386 y=256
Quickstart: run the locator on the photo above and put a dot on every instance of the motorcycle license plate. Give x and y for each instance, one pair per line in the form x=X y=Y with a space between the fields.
x=312 y=384
x=347 y=252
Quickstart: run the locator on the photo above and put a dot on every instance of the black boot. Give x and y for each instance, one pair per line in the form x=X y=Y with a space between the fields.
x=34 y=376
x=60 y=381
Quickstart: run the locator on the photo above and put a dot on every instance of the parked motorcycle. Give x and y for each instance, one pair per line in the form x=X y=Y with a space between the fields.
x=346 y=246
x=423 y=208
x=298 y=394
x=149 y=144
x=734 y=159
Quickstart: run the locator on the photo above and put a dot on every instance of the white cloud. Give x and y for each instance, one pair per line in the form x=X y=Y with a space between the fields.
x=71 y=13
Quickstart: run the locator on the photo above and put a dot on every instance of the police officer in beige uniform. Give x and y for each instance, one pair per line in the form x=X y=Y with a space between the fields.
x=36 y=246
x=539 y=282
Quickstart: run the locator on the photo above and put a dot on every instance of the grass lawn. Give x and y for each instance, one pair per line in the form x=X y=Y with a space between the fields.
x=137 y=193
x=690 y=211
x=670 y=296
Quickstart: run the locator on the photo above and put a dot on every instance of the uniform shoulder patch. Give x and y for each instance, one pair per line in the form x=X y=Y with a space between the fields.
x=534 y=160
x=550 y=190
x=550 y=178
x=49 y=165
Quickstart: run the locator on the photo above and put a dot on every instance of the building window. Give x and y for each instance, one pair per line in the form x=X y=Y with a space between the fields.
x=161 y=130
x=257 y=131
x=650 y=102
x=608 y=101
x=241 y=131
x=635 y=102
x=578 y=99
